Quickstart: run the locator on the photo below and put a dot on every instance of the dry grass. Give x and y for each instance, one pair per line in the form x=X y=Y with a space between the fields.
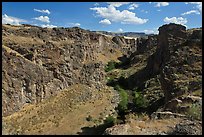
x=197 y=93
x=61 y=114
x=14 y=27
x=23 y=40
x=107 y=56
x=9 y=50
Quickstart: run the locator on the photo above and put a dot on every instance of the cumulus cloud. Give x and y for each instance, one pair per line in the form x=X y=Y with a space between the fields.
x=133 y=6
x=198 y=5
x=148 y=31
x=120 y=30
x=48 y=26
x=161 y=4
x=114 y=15
x=43 y=19
x=75 y=24
x=191 y=12
x=96 y=4
x=11 y=20
x=118 y=4
x=42 y=11
x=176 y=20
x=105 y=22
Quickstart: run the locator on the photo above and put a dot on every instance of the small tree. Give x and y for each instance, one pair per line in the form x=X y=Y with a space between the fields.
x=110 y=121
x=122 y=106
x=110 y=66
x=139 y=100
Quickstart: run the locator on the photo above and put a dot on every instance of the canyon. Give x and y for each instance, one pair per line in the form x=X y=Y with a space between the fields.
x=58 y=81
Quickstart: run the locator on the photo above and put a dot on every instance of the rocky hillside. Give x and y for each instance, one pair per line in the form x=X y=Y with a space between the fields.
x=170 y=80
x=45 y=61
x=177 y=61
x=56 y=77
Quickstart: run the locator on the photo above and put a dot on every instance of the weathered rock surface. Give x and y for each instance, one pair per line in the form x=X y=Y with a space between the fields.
x=39 y=62
x=167 y=68
x=172 y=77
x=176 y=61
x=118 y=130
x=187 y=127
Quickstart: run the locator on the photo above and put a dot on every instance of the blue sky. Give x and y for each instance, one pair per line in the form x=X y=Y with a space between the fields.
x=115 y=16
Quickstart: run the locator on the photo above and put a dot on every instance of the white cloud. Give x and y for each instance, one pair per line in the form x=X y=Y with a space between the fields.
x=198 y=5
x=96 y=4
x=144 y=11
x=120 y=30
x=118 y=4
x=178 y=20
x=48 y=26
x=42 y=11
x=11 y=20
x=43 y=19
x=148 y=31
x=193 y=2
x=161 y=4
x=190 y=12
x=125 y=16
x=133 y=6
x=75 y=24
x=105 y=22
x=154 y=31
x=158 y=10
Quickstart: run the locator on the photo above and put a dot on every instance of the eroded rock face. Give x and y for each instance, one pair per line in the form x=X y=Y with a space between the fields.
x=24 y=82
x=118 y=130
x=38 y=62
x=176 y=61
x=146 y=48
x=181 y=61
x=187 y=127
x=174 y=58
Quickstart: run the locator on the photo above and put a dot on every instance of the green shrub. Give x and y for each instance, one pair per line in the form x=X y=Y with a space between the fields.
x=111 y=65
x=195 y=112
x=122 y=106
x=110 y=121
x=139 y=100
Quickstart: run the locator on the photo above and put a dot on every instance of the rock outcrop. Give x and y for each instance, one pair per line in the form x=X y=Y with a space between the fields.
x=187 y=127
x=181 y=66
x=176 y=61
x=39 y=62
x=166 y=68
x=118 y=130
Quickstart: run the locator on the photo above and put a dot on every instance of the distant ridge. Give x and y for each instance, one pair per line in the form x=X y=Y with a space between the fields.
x=127 y=34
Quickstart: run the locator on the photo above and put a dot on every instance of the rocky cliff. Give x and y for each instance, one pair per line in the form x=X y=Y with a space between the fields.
x=39 y=62
x=176 y=60
x=63 y=69
x=170 y=79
